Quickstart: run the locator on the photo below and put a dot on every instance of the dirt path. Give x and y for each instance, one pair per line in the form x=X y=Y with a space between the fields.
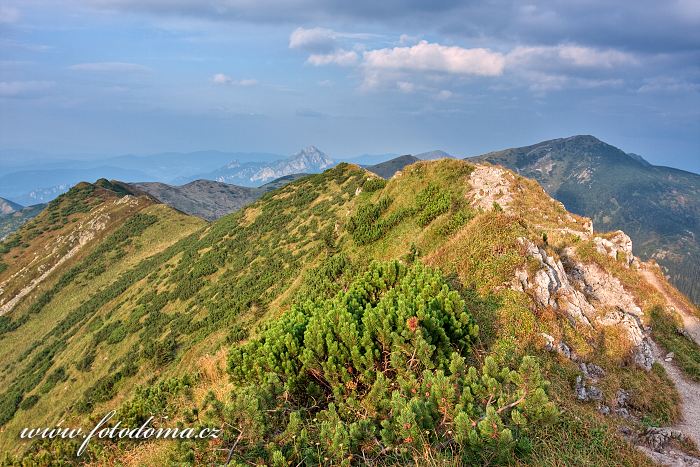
x=688 y=390
x=690 y=399
x=690 y=321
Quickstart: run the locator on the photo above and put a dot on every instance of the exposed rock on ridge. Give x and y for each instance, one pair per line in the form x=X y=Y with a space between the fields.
x=587 y=294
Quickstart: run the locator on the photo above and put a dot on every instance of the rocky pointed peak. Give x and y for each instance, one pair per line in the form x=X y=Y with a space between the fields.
x=8 y=207
x=313 y=155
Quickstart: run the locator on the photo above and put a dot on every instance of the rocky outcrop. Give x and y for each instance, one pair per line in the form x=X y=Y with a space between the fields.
x=657 y=438
x=550 y=286
x=489 y=185
x=617 y=306
x=586 y=294
x=618 y=246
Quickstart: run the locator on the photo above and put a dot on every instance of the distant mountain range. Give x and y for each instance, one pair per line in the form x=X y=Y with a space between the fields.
x=30 y=177
x=26 y=184
x=658 y=207
x=13 y=215
x=308 y=160
x=22 y=181
x=208 y=199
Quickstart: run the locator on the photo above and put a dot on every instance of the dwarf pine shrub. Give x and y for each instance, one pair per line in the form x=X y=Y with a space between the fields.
x=378 y=374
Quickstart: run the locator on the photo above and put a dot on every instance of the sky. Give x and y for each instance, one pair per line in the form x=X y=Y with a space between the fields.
x=109 y=77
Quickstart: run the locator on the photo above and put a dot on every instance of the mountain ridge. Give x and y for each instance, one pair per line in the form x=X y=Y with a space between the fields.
x=167 y=315
x=658 y=207
x=209 y=199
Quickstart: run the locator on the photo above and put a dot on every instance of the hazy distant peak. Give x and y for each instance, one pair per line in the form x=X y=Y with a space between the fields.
x=8 y=207
x=431 y=155
x=314 y=156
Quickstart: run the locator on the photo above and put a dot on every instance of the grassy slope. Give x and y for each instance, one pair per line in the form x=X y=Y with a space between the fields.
x=21 y=345
x=217 y=286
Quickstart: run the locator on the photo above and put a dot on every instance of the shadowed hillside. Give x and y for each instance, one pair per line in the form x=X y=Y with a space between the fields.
x=207 y=199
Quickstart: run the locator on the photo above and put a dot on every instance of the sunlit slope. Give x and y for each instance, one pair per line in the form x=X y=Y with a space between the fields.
x=85 y=240
x=166 y=318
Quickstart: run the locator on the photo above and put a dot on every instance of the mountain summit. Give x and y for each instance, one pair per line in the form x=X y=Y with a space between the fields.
x=308 y=160
x=659 y=207
x=8 y=207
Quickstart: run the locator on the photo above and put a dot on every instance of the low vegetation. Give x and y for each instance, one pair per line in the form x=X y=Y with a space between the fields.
x=667 y=331
x=345 y=320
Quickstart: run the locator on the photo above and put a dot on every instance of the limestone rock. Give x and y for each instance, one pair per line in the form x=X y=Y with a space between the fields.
x=551 y=286
x=586 y=293
x=586 y=392
x=618 y=246
x=656 y=438
x=490 y=184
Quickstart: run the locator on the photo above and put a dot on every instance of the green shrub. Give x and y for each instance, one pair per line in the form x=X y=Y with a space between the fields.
x=373 y=184
x=379 y=372
x=85 y=363
x=29 y=402
x=430 y=203
x=59 y=375
x=367 y=227
x=458 y=220
x=152 y=401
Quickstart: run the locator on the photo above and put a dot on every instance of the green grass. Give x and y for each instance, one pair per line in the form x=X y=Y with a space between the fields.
x=583 y=438
x=686 y=352
x=147 y=312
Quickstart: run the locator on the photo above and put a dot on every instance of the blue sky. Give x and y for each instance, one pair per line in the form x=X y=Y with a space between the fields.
x=106 y=77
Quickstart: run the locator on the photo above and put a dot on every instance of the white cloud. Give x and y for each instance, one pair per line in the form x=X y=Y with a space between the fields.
x=23 y=88
x=545 y=82
x=222 y=79
x=109 y=67
x=431 y=57
x=318 y=40
x=433 y=68
x=568 y=54
x=339 y=57
x=406 y=87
